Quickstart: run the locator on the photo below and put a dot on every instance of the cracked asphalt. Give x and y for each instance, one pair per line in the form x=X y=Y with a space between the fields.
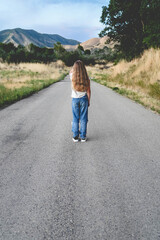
x=105 y=189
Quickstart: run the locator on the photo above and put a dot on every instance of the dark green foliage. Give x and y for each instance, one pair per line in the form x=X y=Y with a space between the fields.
x=108 y=54
x=133 y=24
x=11 y=54
x=70 y=57
x=87 y=52
x=59 y=50
x=38 y=54
x=80 y=48
x=151 y=19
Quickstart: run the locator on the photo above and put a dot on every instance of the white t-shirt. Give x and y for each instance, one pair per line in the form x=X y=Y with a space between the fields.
x=76 y=94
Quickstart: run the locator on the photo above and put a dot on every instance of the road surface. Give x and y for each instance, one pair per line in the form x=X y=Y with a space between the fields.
x=105 y=189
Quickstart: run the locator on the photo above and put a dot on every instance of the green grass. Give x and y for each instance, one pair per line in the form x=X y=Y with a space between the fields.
x=141 y=84
x=8 y=96
x=128 y=93
x=154 y=91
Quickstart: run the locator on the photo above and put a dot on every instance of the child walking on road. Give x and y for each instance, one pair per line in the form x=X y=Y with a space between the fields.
x=80 y=100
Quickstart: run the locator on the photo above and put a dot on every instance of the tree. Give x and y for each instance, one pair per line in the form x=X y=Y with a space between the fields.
x=151 y=23
x=87 y=52
x=9 y=47
x=133 y=24
x=70 y=57
x=80 y=49
x=59 y=50
x=2 y=52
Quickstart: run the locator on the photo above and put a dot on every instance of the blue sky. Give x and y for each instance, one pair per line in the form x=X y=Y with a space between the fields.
x=77 y=19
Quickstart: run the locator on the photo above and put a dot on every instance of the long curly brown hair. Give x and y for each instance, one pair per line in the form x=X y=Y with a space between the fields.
x=80 y=79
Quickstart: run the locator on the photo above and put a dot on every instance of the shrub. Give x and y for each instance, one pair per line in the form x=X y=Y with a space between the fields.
x=154 y=90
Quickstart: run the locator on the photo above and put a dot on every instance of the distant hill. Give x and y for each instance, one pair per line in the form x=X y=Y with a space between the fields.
x=92 y=44
x=24 y=37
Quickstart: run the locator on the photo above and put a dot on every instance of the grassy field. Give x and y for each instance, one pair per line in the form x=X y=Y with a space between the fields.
x=139 y=79
x=18 y=81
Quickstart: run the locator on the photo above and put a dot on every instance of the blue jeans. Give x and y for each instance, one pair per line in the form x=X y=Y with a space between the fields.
x=80 y=115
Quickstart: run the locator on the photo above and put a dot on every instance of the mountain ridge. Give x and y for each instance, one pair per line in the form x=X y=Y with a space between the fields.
x=19 y=36
x=92 y=44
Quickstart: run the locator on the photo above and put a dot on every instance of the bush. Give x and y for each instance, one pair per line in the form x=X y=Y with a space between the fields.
x=70 y=57
x=154 y=90
x=32 y=53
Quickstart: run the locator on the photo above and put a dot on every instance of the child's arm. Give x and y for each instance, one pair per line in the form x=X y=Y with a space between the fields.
x=89 y=94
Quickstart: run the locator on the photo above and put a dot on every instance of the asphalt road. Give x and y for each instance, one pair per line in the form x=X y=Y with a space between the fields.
x=105 y=189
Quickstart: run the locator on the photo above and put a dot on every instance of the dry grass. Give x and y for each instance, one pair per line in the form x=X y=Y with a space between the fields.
x=141 y=76
x=18 y=75
x=18 y=81
x=147 y=65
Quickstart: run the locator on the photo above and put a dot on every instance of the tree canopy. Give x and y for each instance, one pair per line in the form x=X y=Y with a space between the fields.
x=11 y=54
x=133 y=24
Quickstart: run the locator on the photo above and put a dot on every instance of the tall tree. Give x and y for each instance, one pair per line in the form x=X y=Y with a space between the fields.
x=150 y=12
x=133 y=24
x=59 y=50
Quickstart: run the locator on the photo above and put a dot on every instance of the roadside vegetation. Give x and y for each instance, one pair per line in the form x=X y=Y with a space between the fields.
x=131 y=68
x=33 y=54
x=18 y=81
x=138 y=79
x=134 y=27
